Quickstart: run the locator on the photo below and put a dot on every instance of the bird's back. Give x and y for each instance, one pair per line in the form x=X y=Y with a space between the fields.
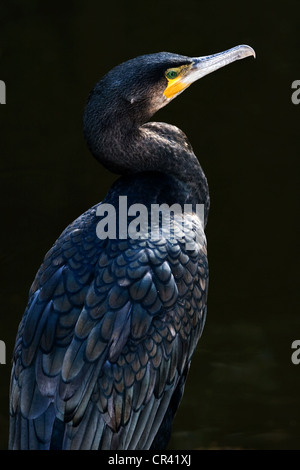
x=106 y=340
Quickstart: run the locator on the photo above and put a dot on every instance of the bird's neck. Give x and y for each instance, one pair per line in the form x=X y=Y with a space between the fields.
x=128 y=148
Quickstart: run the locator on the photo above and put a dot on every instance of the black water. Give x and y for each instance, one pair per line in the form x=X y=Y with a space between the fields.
x=243 y=388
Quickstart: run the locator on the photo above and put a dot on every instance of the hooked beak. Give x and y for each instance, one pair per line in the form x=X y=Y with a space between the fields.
x=202 y=66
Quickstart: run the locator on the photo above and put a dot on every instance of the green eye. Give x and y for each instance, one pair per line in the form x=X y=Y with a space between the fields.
x=171 y=74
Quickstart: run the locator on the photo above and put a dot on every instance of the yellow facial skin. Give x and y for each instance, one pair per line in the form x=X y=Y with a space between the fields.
x=175 y=80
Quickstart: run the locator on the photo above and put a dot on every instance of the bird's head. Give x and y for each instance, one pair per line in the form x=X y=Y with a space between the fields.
x=146 y=83
x=127 y=97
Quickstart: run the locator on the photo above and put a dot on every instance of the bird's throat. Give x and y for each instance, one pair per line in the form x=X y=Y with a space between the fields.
x=126 y=149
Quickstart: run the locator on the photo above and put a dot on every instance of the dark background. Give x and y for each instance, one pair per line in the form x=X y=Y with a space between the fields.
x=243 y=390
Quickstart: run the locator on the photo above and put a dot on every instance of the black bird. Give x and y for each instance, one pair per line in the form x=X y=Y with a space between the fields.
x=105 y=344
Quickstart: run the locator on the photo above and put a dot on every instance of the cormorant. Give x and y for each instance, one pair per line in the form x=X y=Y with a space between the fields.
x=105 y=344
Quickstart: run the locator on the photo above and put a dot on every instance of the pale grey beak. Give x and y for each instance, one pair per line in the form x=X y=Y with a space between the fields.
x=204 y=65
x=201 y=66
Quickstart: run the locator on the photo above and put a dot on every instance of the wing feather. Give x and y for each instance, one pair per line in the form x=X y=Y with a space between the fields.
x=109 y=330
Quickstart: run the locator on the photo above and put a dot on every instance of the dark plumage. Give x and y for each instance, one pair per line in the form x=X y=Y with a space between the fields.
x=105 y=344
